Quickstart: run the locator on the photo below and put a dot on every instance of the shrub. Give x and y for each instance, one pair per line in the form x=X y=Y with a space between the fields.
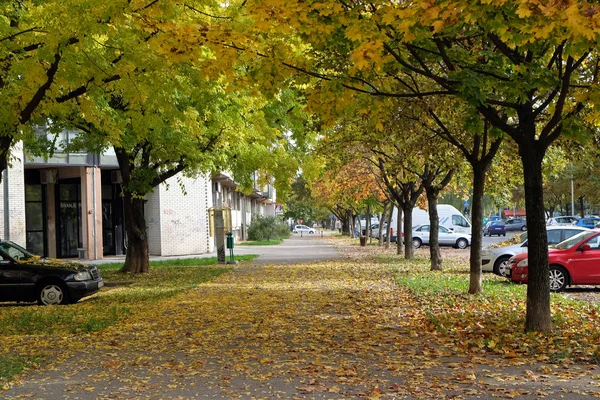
x=267 y=228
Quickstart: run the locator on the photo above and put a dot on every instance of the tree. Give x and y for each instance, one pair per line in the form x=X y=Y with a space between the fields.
x=529 y=68
x=300 y=204
x=46 y=62
x=177 y=121
x=346 y=190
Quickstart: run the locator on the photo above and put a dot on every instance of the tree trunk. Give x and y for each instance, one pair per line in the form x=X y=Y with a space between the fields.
x=346 y=224
x=434 y=229
x=538 y=316
x=389 y=226
x=581 y=207
x=408 y=247
x=399 y=232
x=367 y=226
x=381 y=222
x=137 y=260
x=476 y=229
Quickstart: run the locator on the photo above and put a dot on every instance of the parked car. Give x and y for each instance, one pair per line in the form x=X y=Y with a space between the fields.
x=494 y=228
x=495 y=257
x=303 y=228
x=564 y=220
x=446 y=237
x=588 y=222
x=516 y=224
x=375 y=230
x=572 y=262
x=27 y=277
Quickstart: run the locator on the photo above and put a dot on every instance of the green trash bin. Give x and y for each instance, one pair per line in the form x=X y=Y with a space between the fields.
x=229 y=245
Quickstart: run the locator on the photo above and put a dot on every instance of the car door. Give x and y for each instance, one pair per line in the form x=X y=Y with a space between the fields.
x=446 y=237
x=422 y=233
x=10 y=278
x=585 y=265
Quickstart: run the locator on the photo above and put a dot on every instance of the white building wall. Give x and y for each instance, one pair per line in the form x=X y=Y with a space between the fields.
x=152 y=215
x=15 y=178
x=183 y=219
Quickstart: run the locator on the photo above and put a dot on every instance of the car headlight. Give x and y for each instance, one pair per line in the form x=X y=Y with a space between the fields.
x=83 y=276
x=523 y=263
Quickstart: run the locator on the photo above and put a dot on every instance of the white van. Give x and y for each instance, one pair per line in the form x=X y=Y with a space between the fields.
x=449 y=217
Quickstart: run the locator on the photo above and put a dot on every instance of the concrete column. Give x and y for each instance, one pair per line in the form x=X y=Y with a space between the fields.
x=51 y=219
x=91 y=206
x=13 y=199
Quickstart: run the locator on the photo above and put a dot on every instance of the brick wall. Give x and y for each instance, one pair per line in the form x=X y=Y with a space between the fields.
x=181 y=221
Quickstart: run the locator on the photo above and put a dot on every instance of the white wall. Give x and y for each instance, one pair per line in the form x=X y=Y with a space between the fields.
x=16 y=201
x=180 y=221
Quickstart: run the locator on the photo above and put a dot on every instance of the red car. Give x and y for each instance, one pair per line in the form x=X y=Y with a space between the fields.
x=576 y=261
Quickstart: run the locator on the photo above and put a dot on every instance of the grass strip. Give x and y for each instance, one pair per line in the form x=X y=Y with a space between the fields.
x=269 y=242
x=177 y=262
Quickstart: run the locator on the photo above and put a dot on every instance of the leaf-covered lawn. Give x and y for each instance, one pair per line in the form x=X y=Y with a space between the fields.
x=123 y=296
x=368 y=326
x=493 y=321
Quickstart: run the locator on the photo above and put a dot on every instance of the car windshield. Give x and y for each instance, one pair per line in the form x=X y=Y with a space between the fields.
x=570 y=242
x=15 y=251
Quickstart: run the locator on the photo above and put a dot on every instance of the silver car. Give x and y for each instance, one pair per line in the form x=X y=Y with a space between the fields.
x=495 y=258
x=303 y=228
x=565 y=220
x=446 y=237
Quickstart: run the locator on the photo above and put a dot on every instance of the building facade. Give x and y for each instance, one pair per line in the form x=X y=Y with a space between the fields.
x=70 y=205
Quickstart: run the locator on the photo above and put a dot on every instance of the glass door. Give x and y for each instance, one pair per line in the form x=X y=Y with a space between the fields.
x=69 y=219
x=108 y=224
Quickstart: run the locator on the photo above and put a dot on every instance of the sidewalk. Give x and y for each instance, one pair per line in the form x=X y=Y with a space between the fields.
x=325 y=330
x=292 y=250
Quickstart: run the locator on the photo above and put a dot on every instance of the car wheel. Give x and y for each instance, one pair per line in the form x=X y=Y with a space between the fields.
x=311 y=232
x=524 y=228
x=504 y=234
x=500 y=266
x=484 y=234
x=559 y=278
x=417 y=243
x=52 y=293
x=462 y=243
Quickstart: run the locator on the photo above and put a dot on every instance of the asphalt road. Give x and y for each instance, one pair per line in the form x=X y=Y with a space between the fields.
x=296 y=249
x=487 y=240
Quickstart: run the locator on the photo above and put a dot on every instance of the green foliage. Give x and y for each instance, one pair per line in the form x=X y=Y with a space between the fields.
x=179 y=262
x=270 y=242
x=267 y=228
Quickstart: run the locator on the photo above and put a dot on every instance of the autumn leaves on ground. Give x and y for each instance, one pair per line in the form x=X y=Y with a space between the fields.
x=368 y=326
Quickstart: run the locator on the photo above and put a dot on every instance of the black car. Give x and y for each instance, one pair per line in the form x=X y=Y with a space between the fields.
x=27 y=277
x=494 y=228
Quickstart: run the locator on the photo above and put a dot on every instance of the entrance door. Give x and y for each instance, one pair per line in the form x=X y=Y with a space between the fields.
x=35 y=219
x=69 y=219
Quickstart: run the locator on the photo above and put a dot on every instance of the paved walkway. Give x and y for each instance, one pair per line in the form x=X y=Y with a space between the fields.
x=296 y=249
x=340 y=329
